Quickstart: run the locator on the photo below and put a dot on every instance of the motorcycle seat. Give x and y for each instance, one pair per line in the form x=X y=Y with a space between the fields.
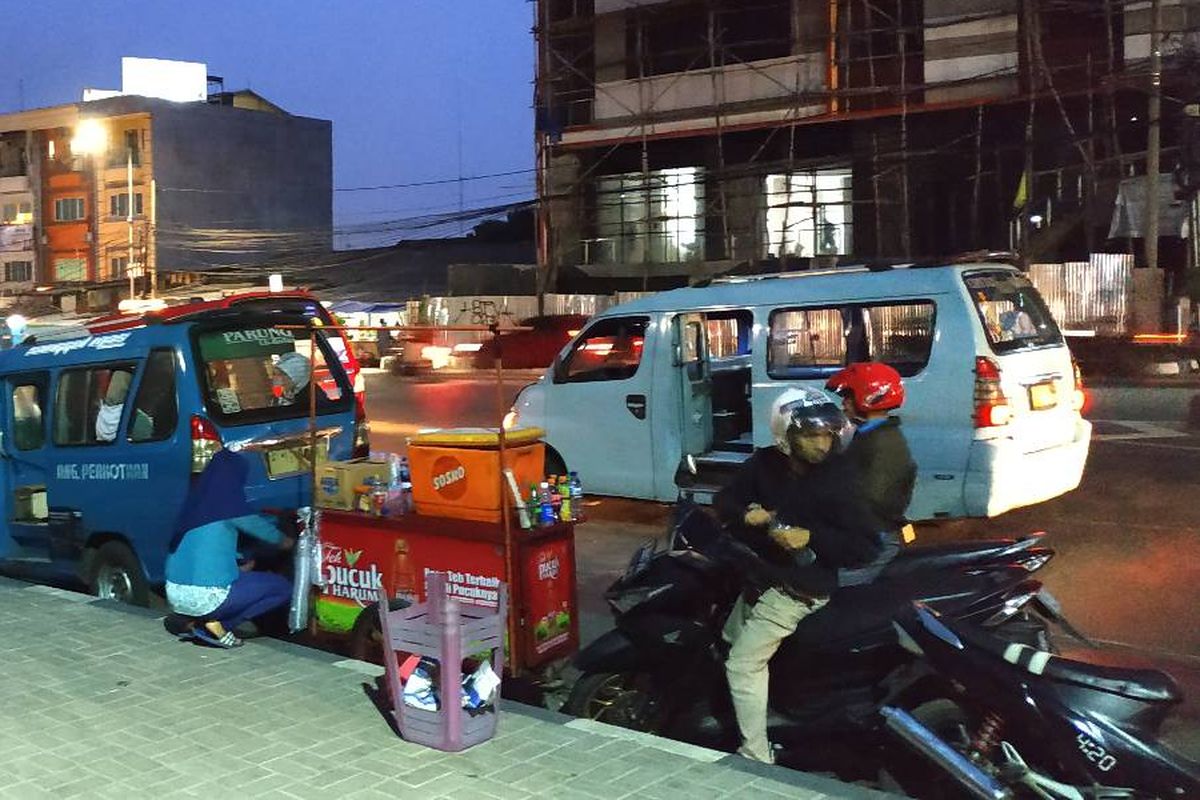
x=1146 y=685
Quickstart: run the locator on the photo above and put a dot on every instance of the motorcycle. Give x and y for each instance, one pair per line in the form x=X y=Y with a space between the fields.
x=1019 y=721
x=661 y=669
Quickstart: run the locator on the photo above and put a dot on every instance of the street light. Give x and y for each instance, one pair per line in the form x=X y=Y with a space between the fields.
x=91 y=138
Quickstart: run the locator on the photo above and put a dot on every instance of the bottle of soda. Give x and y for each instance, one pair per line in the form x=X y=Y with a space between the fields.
x=406 y=504
x=545 y=505
x=566 y=508
x=555 y=497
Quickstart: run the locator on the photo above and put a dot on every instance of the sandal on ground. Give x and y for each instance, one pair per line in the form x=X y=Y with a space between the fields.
x=226 y=642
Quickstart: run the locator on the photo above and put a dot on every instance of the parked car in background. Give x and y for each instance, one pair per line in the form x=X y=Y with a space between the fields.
x=532 y=349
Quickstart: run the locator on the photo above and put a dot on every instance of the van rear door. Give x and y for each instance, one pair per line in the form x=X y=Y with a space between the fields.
x=248 y=385
x=1036 y=372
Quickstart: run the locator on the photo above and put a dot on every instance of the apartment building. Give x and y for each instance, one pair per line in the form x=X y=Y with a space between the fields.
x=94 y=192
x=688 y=137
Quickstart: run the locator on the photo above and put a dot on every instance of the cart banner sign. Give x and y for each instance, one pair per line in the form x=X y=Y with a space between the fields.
x=548 y=580
x=358 y=562
x=478 y=590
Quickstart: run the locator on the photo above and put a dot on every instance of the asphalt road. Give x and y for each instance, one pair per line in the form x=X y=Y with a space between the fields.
x=1128 y=540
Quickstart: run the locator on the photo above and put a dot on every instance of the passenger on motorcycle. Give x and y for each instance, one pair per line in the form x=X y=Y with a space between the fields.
x=794 y=506
x=886 y=471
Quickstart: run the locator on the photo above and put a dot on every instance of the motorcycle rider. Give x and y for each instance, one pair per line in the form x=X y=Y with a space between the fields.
x=793 y=506
x=885 y=469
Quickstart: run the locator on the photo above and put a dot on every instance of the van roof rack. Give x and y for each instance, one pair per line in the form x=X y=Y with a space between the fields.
x=880 y=265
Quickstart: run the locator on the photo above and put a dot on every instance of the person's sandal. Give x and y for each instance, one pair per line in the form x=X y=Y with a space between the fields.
x=226 y=642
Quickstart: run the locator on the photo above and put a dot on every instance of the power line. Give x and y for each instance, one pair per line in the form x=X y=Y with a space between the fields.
x=436 y=182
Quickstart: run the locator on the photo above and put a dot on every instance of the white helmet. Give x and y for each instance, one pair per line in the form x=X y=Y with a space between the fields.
x=807 y=410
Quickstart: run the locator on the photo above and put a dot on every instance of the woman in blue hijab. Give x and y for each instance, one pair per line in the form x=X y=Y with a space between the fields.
x=204 y=581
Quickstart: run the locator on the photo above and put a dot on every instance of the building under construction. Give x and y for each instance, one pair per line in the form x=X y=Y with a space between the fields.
x=680 y=138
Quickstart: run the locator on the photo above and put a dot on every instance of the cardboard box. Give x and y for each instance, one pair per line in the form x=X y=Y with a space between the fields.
x=337 y=480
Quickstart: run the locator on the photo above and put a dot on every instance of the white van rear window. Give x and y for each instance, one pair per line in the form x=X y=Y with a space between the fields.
x=1013 y=314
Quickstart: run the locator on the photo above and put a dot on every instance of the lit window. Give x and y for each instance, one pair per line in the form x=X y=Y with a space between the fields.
x=656 y=217
x=809 y=213
x=70 y=269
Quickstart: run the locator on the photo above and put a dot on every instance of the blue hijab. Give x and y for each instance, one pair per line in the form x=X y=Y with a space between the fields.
x=218 y=494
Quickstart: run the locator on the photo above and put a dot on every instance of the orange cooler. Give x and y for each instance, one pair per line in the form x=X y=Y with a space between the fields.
x=456 y=472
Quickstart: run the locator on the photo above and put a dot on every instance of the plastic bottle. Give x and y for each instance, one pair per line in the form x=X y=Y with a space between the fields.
x=545 y=505
x=566 y=508
x=576 y=496
x=555 y=497
x=406 y=503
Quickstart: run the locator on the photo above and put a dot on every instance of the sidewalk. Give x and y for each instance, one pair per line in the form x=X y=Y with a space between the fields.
x=100 y=702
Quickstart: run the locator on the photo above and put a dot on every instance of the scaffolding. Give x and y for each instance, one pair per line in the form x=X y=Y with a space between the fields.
x=700 y=136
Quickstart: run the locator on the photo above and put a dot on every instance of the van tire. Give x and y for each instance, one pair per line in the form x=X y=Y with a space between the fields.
x=552 y=463
x=116 y=574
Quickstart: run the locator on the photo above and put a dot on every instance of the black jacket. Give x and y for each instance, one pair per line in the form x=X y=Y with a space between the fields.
x=823 y=500
x=886 y=473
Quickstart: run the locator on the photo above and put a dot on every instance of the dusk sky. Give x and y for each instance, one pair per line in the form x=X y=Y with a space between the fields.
x=402 y=81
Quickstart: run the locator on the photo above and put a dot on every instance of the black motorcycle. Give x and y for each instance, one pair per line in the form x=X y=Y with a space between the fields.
x=1021 y=722
x=662 y=668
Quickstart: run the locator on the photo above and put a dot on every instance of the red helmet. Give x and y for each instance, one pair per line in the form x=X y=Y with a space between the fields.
x=871 y=385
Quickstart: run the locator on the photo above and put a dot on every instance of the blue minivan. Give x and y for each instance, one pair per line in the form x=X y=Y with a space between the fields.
x=105 y=425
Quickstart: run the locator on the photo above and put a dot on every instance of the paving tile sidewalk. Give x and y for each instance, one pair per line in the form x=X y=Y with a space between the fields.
x=99 y=702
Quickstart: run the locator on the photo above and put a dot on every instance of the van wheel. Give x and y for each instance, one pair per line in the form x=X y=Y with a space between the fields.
x=117 y=575
x=553 y=463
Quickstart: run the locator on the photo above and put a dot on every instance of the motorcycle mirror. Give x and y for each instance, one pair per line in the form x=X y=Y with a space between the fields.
x=685 y=473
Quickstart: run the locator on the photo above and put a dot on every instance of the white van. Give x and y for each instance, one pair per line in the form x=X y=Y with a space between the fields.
x=993 y=401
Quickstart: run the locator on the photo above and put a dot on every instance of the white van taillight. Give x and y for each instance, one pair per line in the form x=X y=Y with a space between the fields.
x=1079 y=399
x=205 y=443
x=362 y=428
x=991 y=406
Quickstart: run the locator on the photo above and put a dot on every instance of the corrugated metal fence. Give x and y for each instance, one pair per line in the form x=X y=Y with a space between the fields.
x=1089 y=295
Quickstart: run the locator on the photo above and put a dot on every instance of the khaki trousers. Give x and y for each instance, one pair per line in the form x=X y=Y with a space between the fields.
x=756 y=632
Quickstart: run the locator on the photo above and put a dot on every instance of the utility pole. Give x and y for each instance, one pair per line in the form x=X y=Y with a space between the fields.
x=1153 y=143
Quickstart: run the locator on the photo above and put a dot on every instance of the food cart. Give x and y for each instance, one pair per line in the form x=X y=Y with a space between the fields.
x=465 y=523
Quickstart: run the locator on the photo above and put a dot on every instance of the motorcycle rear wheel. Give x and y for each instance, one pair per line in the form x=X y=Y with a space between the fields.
x=621 y=699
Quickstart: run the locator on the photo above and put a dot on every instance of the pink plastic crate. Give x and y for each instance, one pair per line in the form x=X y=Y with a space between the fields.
x=443 y=629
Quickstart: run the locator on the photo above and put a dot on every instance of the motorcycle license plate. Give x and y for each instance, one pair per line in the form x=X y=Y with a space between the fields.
x=1043 y=396
x=283 y=462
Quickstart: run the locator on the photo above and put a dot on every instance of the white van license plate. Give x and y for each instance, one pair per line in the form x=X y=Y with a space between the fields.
x=1043 y=396
x=285 y=461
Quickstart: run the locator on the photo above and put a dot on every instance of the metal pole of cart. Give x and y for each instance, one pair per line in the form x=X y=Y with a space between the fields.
x=505 y=511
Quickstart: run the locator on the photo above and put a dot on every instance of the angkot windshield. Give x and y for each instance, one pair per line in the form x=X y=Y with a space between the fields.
x=1013 y=314
x=256 y=371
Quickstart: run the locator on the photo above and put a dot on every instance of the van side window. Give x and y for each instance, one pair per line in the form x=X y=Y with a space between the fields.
x=89 y=404
x=609 y=350
x=156 y=410
x=815 y=342
x=806 y=342
x=900 y=335
x=729 y=333
x=28 y=431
